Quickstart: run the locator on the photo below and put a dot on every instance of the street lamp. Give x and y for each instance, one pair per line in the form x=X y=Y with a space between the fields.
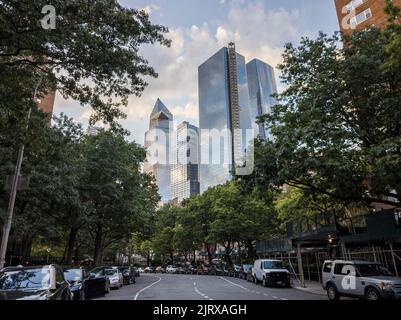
x=13 y=193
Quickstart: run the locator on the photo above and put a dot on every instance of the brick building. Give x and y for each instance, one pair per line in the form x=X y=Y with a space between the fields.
x=355 y=15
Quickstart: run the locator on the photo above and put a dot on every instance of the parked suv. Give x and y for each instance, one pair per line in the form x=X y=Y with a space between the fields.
x=359 y=279
x=271 y=272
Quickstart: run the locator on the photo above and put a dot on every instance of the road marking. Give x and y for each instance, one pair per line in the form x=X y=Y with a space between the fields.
x=142 y=290
x=234 y=284
x=274 y=297
x=200 y=293
x=283 y=299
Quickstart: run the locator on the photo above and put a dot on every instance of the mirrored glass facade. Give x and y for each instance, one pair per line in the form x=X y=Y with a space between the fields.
x=262 y=85
x=157 y=143
x=185 y=167
x=214 y=114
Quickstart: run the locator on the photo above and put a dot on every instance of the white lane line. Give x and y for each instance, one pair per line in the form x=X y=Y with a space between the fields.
x=234 y=284
x=142 y=290
x=200 y=293
x=283 y=299
x=274 y=297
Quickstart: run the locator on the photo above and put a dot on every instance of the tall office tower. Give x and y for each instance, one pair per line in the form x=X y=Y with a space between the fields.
x=223 y=107
x=157 y=142
x=262 y=85
x=185 y=167
x=355 y=15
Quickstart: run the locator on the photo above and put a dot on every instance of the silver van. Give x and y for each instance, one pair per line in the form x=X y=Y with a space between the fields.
x=359 y=279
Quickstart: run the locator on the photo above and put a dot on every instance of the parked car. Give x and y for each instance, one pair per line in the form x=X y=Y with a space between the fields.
x=171 y=269
x=249 y=276
x=206 y=269
x=150 y=270
x=191 y=270
x=181 y=270
x=271 y=272
x=245 y=269
x=237 y=271
x=34 y=283
x=160 y=270
x=359 y=279
x=199 y=270
x=139 y=271
x=115 y=277
x=82 y=285
x=129 y=275
x=216 y=271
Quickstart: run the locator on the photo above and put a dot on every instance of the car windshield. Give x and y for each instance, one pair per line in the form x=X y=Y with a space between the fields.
x=372 y=269
x=73 y=274
x=111 y=272
x=123 y=269
x=272 y=265
x=25 y=279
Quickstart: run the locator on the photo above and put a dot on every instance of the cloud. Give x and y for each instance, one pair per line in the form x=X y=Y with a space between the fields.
x=150 y=8
x=257 y=30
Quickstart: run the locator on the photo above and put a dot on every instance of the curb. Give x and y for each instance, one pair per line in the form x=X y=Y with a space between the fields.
x=315 y=293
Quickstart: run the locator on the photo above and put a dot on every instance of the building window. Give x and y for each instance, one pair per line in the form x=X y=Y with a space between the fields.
x=361 y=17
x=352 y=5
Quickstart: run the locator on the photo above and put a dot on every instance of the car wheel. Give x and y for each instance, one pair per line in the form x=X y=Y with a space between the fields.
x=107 y=290
x=372 y=294
x=332 y=293
x=264 y=282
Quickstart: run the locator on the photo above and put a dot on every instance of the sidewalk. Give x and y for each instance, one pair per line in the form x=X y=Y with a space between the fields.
x=311 y=287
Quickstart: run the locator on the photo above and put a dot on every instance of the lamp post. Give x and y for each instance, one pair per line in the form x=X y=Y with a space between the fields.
x=13 y=193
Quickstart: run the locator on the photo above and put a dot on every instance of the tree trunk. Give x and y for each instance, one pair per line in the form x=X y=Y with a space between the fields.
x=209 y=254
x=250 y=250
x=148 y=259
x=70 y=245
x=227 y=252
x=99 y=246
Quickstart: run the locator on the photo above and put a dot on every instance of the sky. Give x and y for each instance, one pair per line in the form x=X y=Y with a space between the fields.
x=198 y=29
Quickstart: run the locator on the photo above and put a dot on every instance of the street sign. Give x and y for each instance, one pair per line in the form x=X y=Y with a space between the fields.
x=23 y=182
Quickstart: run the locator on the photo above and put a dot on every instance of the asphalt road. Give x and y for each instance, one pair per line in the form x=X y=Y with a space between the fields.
x=196 y=287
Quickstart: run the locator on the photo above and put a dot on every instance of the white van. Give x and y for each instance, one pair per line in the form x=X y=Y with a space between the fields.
x=271 y=272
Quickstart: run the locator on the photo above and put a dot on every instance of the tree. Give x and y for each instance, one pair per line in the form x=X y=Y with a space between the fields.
x=199 y=210
x=163 y=240
x=92 y=54
x=337 y=127
x=112 y=187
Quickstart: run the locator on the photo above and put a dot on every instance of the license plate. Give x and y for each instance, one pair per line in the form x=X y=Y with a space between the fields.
x=279 y=282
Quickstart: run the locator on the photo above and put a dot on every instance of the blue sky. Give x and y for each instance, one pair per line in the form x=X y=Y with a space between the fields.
x=198 y=28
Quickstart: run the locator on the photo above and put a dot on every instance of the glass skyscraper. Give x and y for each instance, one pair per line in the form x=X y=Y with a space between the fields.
x=262 y=85
x=185 y=168
x=157 y=142
x=223 y=105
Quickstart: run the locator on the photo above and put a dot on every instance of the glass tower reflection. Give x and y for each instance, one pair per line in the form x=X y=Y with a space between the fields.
x=215 y=114
x=262 y=85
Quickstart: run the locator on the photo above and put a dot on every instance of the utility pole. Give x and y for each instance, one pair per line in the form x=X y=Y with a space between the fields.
x=13 y=193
